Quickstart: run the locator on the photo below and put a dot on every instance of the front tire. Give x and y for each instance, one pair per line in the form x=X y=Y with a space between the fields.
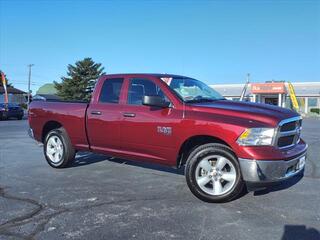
x=58 y=149
x=213 y=173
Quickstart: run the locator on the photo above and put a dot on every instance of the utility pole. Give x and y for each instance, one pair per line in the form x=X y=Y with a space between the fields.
x=245 y=87
x=29 y=83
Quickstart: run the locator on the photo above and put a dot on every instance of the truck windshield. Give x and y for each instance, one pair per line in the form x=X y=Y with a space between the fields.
x=192 y=90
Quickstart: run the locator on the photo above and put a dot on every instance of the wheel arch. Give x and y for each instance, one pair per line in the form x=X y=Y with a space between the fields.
x=193 y=142
x=48 y=126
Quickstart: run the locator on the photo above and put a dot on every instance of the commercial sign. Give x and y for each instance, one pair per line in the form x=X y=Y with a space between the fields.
x=268 y=88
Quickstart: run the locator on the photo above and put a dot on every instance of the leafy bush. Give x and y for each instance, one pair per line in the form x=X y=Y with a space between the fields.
x=23 y=105
x=315 y=110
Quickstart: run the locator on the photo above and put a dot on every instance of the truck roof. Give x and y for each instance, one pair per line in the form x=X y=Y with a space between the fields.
x=144 y=75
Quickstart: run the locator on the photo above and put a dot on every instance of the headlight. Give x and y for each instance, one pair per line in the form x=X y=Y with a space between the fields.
x=256 y=137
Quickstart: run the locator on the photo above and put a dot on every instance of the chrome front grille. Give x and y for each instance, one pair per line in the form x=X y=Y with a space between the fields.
x=288 y=133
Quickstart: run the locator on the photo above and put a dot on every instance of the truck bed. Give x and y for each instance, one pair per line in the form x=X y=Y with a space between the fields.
x=70 y=114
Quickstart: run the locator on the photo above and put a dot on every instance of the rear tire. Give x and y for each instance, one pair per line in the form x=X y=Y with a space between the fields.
x=3 y=117
x=213 y=173
x=58 y=149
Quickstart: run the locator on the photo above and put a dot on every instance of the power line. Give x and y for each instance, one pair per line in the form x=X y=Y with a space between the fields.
x=32 y=84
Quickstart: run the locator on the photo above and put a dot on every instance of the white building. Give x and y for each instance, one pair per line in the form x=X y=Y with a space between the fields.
x=276 y=93
x=14 y=95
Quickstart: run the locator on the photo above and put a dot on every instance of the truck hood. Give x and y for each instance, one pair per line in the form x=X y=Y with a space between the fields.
x=250 y=112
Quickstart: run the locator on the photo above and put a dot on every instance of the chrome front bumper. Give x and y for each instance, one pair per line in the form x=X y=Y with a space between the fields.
x=271 y=171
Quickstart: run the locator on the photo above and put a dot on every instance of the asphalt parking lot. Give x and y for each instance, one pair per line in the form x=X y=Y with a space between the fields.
x=104 y=198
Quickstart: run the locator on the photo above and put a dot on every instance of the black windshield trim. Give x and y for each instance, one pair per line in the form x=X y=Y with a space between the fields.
x=204 y=100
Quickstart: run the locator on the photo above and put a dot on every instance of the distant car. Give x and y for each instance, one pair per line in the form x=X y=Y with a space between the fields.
x=10 y=110
x=45 y=97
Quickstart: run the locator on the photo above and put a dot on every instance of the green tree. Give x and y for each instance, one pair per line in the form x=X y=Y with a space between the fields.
x=7 y=81
x=80 y=80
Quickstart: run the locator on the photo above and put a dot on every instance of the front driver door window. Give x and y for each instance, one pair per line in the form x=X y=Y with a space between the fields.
x=148 y=131
x=143 y=87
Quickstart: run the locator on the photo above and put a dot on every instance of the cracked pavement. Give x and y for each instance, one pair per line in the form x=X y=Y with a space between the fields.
x=99 y=197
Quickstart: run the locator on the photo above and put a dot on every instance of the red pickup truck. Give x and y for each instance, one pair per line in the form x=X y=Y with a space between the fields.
x=177 y=121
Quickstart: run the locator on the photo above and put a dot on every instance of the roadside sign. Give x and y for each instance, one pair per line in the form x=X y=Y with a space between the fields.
x=4 y=83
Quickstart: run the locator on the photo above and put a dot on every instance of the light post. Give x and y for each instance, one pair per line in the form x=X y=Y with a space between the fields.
x=29 y=83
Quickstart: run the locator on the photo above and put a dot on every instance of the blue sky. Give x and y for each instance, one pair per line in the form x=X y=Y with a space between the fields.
x=214 y=41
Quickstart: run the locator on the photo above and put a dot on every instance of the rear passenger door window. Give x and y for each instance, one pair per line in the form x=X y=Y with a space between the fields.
x=110 y=91
x=138 y=88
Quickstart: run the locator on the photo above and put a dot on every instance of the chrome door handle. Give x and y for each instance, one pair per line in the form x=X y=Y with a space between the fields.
x=96 y=112
x=129 y=114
